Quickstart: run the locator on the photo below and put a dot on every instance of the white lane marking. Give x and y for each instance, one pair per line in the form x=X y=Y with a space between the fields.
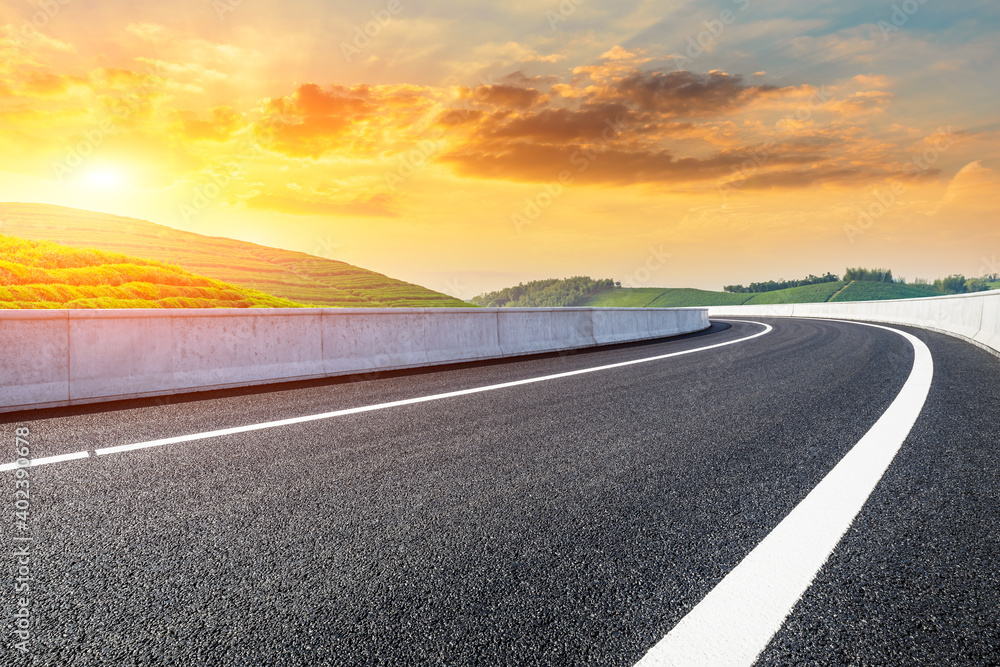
x=410 y=401
x=45 y=460
x=734 y=623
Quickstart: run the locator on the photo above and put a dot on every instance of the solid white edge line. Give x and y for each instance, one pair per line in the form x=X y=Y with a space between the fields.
x=45 y=460
x=410 y=401
x=735 y=622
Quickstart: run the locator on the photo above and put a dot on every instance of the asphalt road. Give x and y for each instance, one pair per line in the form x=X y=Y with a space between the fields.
x=573 y=521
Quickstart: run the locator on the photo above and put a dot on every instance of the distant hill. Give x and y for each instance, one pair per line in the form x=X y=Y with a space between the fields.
x=605 y=293
x=855 y=290
x=42 y=274
x=298 y=276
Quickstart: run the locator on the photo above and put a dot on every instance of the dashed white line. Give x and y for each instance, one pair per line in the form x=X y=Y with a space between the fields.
x=45 y=460
x=734 y=623
x=411 y=401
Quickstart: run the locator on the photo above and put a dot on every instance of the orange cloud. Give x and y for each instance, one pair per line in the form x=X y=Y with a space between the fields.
x=621 y=121
x=503 y=95
x=616 y=125
x=684 y=94
x=361 y=121
x=555 y=125
x=51 y=85
x=308 y=123
x=648 y=127
x=603 y=164
x=223 y=123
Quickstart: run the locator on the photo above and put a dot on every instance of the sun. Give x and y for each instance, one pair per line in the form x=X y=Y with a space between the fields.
x=105 y=178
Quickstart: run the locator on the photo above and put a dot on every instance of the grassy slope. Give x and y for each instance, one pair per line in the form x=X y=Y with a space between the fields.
x=292 y=275
x=42 y=274
x=628 y=297
x=684 y=296
x=871 y=291
x=659 y=297
x=803 y=294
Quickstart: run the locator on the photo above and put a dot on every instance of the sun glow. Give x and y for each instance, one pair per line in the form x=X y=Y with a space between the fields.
x=479 y=152
x=105 y=178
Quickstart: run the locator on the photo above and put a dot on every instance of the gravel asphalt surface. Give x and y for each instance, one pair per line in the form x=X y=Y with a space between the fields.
x=568 y=522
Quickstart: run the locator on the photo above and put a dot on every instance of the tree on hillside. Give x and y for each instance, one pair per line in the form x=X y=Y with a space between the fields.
x=976 y=285
x=549 y=293
x=773 y=285
x=873 y=275
x=953 y=284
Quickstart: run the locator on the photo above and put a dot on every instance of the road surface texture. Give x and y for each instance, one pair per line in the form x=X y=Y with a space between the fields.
x=572 y=521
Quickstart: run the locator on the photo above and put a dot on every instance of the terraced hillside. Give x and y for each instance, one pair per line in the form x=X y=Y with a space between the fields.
x=856 y=290
x=42 y=274
x=861 y=290
x=283 y=273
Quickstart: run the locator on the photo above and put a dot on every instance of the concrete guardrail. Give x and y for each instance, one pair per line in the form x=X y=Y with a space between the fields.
x=51 y=358
x=972 y=317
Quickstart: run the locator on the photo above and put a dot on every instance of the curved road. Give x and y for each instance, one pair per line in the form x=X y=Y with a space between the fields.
x=570 y=521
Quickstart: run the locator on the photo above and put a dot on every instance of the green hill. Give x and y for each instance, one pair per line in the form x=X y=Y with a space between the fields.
x=803 y=294
x=860 y=290
x=42 y=274
x=283 y=273
x=658 y=297
x=626 y=297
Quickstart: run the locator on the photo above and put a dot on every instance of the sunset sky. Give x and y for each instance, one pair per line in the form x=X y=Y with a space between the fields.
x=467 y=146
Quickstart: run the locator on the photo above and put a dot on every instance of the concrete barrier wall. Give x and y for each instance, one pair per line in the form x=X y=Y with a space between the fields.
x=972 y=317
x=56 y=358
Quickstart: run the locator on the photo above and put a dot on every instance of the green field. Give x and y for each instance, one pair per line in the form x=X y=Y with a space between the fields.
x=284 y=273
x=803 y=294
x=684 y=296
x=657 y=297
x=871 y=291
x=42 y=274
x=625 y=297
